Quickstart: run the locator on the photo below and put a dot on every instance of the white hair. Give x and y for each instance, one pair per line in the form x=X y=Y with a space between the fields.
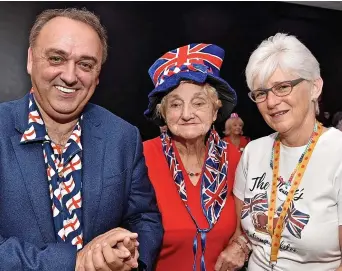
x=285 y=52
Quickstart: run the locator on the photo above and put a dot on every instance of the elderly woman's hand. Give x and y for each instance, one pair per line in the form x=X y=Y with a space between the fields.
x=231 y=258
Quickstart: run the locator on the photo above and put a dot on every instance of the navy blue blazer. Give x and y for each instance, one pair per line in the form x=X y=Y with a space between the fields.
x=116 y=191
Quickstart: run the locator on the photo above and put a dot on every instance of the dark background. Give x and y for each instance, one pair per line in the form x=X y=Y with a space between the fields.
x=140 y=32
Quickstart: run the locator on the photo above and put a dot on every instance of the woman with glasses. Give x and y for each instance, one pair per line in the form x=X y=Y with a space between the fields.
x=288 y=184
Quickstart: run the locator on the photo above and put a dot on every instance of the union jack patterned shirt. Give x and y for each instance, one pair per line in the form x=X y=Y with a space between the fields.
x=63 y=168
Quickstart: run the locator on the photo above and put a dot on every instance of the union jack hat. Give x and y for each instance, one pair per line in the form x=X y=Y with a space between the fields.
x=197 y=62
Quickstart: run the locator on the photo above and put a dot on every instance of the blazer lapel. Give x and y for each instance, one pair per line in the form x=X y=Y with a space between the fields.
x=92 y=163
x=32 y=165
x=31 y=162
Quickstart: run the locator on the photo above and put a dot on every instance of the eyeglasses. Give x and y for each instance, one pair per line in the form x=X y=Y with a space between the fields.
x=281 y=89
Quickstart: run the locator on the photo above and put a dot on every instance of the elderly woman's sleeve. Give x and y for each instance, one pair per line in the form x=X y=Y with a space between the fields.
x=241 y=176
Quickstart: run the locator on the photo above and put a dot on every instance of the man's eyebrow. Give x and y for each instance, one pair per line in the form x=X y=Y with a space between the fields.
x=85 y=57
x=56 y=51
x=65 y=54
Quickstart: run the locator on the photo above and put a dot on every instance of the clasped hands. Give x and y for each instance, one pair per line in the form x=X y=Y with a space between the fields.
x=115 y=250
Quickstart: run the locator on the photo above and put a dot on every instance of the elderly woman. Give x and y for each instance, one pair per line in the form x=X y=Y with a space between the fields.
x=191 y=168
x=289 y=183
x=233 y=132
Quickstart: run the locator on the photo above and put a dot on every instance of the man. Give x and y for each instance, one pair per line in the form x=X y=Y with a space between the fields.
x=72 y=173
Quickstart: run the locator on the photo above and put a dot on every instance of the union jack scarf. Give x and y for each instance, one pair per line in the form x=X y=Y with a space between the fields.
x=213 y=184
x=63 y=169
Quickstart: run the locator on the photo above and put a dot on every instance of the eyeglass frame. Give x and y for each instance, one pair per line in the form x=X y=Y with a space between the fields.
x=292 y=83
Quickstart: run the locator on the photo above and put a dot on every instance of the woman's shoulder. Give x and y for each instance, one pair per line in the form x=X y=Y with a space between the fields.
x=152 y=142
x=331 y=140
x=333 y=134
x=152 y=145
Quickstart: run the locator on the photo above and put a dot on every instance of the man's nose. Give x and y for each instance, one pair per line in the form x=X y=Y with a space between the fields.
x=69 y=75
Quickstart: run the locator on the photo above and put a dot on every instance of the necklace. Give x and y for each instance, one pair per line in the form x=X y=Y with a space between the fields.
x=276 y=230
x=192 y=174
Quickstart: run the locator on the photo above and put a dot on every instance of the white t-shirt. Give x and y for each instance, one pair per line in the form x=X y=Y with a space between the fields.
x=310 y=239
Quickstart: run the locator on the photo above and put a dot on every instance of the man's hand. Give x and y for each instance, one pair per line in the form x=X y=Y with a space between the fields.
x=231 y=258
x=130 y=246
x=102 y=253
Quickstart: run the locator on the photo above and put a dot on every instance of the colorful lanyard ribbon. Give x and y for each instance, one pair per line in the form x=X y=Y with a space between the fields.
x=276 y=231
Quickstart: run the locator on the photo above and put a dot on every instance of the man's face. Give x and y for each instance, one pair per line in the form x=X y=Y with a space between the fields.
x=64 y=65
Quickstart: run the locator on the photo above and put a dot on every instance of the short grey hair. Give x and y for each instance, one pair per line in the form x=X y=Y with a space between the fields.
x=81 y=15
x=285 y=52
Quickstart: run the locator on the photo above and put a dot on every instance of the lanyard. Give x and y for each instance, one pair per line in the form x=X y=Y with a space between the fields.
x=276 y=231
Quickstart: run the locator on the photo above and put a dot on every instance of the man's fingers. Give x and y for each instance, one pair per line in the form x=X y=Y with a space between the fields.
x=134 y=261
x=99 y=260
x=88 y=261
x=80 y=261
x=112 y=260
x=118 y=236
x=102 y=238
x=118 y=229
x=129 y=244
x=123 y=251
x=130 y=261
x=136 y=256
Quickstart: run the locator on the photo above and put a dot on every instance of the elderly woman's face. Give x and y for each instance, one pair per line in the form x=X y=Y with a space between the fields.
x=284 y=114
x=189 y=111
x=235 y=127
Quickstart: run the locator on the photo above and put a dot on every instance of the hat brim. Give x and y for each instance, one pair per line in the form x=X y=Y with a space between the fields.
x=225 y=92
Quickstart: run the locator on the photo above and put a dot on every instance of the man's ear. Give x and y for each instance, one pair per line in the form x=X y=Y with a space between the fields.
x=29 y=60
x=316 y=89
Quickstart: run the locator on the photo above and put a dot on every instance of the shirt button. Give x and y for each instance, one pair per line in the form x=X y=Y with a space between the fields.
x=60 y=174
